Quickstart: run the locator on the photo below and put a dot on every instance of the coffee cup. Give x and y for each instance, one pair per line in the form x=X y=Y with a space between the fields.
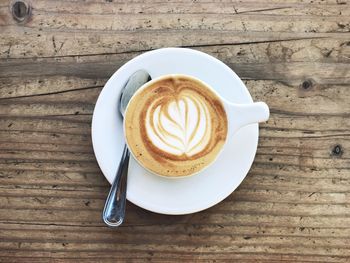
x=177 y=125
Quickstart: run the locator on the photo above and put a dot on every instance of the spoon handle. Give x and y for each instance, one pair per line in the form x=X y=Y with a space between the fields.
x=114 y=210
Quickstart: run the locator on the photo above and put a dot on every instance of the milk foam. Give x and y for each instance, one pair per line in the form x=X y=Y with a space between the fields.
x=179 y=126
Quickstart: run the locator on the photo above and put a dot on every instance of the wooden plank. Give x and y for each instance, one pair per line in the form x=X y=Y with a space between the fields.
x=33 y=43
x=228 y=21
x=160 y=257
x=212 y=216
x=114 y=247
x=222 y=7
x=308 y=2
x=104 y=66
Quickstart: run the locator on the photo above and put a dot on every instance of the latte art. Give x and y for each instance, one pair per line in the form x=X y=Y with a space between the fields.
x=175 y=126
x=179 y=126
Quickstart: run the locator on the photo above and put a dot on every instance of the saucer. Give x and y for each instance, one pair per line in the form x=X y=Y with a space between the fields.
x=167 y=195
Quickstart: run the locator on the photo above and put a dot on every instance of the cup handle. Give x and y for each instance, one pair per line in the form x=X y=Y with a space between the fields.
x=240 y=115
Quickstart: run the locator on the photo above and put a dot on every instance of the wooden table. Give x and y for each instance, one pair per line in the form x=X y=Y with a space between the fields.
x=294 y=205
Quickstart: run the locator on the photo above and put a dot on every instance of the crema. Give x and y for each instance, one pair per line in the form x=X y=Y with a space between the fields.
x=175 y=126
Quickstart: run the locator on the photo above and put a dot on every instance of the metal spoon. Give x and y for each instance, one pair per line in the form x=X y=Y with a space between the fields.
x=114 y=210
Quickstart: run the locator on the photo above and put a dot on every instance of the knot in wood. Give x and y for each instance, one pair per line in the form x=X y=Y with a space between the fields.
x=20 y=10
x=307 y=84
x=337 y=150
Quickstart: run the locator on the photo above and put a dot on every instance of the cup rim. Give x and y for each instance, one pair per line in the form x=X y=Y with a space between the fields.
x=146 y=85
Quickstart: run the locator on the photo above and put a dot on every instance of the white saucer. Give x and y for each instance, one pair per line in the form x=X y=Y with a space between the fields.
x=185 y=195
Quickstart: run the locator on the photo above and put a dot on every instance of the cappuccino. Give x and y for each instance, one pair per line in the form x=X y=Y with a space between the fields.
x=175 y=126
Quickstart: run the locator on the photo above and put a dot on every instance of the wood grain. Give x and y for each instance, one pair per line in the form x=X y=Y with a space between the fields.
x=293 y=205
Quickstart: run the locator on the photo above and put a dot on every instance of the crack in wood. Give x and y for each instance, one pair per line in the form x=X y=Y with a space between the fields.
x=52 y=93
x=263 y=9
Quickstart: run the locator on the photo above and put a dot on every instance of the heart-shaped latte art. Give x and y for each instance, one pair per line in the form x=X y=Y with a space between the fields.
x=175 y=126
x=179 y=125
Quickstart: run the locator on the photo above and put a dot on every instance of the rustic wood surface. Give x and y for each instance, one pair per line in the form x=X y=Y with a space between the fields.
x=55 y=57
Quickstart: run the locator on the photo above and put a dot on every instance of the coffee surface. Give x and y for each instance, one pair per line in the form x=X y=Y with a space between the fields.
x=175 y=126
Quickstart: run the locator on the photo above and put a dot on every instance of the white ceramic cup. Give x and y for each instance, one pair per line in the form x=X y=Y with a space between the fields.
x=238 y=115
